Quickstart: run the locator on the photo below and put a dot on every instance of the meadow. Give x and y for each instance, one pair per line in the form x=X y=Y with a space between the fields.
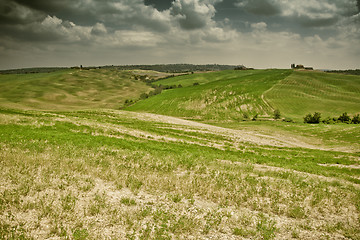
x=88 y=170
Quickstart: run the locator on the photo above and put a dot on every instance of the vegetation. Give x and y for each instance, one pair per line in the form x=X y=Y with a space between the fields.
x=85 y=170
x=312 y=118
x=277 y=114
x=350 y=71
x=72 y=89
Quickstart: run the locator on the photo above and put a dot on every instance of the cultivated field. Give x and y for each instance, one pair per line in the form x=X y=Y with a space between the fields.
x=86 y=170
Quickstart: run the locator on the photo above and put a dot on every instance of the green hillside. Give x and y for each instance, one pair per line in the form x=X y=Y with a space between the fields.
x=71 y=168
x=70 y=89
x=229 y=95
x=218 y=97
x=304 y=92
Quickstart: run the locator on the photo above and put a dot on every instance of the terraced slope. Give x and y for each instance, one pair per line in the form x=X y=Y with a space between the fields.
x=229 y=95
x=304 y=92
x=218 y=97
x=70 y=89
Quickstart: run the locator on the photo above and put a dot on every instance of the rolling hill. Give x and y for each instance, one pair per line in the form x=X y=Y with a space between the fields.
x=70 y=89
x=73 y=166
x=227 y=95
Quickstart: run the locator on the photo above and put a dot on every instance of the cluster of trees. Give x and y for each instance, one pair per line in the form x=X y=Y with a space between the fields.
x=31 y=70
x=157 y=90
x=343 y=118
x=350 y=71
x=176 y=68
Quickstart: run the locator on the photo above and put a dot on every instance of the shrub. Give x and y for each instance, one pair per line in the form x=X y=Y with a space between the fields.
x=344 y=118
x=195 y=84
x=312 y=118
x=288 y=120
x=356 y=119
x=245 y=115
x=277 y=114
x=329 y=120
x=144 y=96
x=255 y=117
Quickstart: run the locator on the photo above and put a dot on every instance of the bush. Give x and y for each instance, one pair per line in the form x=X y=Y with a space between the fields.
x=255 y=117
x=329 y=120
x=312 y=118
x=277 y=114
x=356 y=119
x=245 y=115
x=195 y=84
x=144 y=96
x=344 y=118
x=288 y=120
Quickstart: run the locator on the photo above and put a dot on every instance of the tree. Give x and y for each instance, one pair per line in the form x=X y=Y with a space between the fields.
x=144 y=96
x=356 y=119
x=312 y=118
x=277 y=114
x=345 y=118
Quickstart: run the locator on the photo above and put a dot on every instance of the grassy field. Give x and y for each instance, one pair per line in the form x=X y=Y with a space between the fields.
x=71 y=89
x=217 y=98
x=304 y=92
x=228 y=95
x=85 y=171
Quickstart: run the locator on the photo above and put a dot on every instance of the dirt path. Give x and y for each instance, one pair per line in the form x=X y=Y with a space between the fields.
x=234 y=135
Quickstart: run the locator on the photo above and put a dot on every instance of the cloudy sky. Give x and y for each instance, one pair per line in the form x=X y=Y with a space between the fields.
x=324 y=34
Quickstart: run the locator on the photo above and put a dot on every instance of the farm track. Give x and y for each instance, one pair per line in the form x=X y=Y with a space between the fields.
x=237 y=136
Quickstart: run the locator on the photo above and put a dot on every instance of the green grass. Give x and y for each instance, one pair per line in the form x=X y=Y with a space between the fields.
x=309 y=92
x=70 y=89
x=230 y=95
x=217 y=98
x=91 y=174
x=80 y=171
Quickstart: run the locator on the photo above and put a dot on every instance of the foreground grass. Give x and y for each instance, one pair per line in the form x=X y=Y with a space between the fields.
x=114 y=174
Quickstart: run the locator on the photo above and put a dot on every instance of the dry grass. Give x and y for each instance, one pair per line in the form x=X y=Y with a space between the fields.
x=114 y=175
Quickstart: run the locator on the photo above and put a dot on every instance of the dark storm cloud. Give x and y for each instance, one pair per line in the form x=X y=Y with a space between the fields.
x=160 y=5
x=13 y=13
x=321 y=22
x=171 y=28
x=260 y=7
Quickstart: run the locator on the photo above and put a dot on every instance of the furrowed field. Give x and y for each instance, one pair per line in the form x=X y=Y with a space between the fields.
x=74 y=166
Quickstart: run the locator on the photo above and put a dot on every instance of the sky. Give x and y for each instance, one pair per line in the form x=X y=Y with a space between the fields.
x=324 y=34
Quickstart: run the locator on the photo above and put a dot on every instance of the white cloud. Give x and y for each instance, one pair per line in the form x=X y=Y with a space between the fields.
x=193 y=14
x=261 y=26
x=99 y=29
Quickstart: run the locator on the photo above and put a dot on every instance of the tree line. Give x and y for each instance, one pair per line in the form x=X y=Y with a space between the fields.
x=343 y=118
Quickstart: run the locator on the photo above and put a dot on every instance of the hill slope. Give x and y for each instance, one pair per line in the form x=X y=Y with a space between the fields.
x=219 y=96
x=69 y=89
x=303 y=92
x=230 y=95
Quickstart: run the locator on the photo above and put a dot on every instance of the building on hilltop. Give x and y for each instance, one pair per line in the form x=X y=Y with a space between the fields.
x=300 y=66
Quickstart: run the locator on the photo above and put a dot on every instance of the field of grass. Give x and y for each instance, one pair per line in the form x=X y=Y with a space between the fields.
x=308 y=92
x=102 y=174
x=228 y=95
x=81 y=169
x=218 y=97
x=70 y=89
